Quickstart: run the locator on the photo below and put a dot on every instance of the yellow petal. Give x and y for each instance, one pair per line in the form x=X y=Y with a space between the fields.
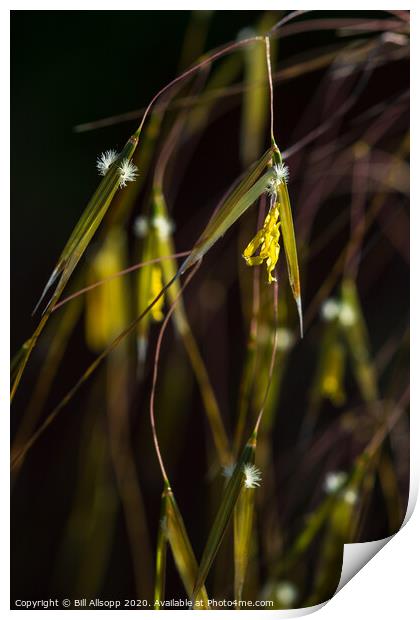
x=255 y=260
x=252 y=246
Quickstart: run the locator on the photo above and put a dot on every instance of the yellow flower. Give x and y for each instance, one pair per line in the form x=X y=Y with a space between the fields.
x=156 y=286
x=268 y=238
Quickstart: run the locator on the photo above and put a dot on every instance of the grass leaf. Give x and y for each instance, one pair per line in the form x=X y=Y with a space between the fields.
x=161 y=547
x=75 y=248
x=237 y=202
x=243 y=520
x=88 y=223
x=165 y=247
x=184 y=557
x=220 y=524
x=289 y=241
x=356 y=333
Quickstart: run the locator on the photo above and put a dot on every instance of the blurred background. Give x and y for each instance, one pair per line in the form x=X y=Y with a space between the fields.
x=334 y=447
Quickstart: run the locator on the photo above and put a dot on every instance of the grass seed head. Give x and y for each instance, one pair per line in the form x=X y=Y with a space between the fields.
x=128 y=172
x=252 y=476
x=105 y=161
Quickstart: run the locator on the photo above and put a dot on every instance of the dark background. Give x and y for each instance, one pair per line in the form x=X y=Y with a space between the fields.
x=70 y=67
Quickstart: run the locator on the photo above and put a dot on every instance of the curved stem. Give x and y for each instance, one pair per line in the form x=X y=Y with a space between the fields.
x=88 y=372
x=225 y=49
x=270 y=83
x=286 y=19
x=155 y=372
x=118 y=274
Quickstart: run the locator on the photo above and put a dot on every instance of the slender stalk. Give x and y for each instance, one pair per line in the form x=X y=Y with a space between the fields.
x=285 y=20
x=218 y=53
x=251 y=358
x=270 y=83
x=155 y=373
x=88 y=372
x=117 y=275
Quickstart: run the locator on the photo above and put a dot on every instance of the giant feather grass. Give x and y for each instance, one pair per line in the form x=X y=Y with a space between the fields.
x=77 y=244
x=261 y=551
x=96 y=209
x=169 y=269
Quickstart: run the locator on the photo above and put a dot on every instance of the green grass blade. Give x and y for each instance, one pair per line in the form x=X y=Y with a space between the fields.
x=289 y=241
x=75 y=247
x=314 y=523
x=103 y=321
x=165 y=247
x=55 y=348
x=224 y=514
x=89 y=222
x=16 y=360
x=242 y=531
x=330 y=374
x=255 y=102
x=352 y=321
x=184 y=557
x=255 y=105
x=161 y=548
x=238 y=201
x=126 y=201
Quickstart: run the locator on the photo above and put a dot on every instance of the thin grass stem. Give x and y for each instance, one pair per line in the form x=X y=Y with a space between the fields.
x=155 y=372
x=117 y=275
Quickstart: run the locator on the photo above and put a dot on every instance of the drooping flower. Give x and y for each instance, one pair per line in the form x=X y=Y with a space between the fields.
x=281 y=176
x=128 y=172
x=252 y=476
x=269 y=235
x=268 y=238
x=105 y=160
